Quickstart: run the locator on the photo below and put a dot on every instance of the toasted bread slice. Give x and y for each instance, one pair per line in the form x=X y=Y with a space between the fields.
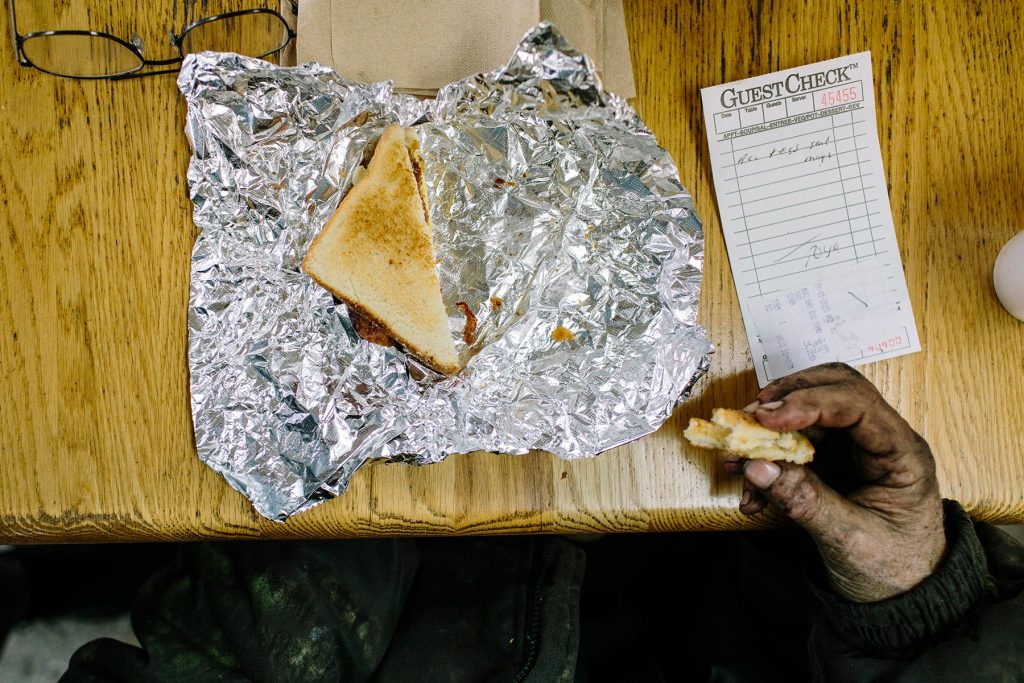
x=376 y=253
x=739 y=433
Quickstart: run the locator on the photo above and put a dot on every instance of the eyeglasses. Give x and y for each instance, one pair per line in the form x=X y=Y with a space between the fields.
x=95 y=54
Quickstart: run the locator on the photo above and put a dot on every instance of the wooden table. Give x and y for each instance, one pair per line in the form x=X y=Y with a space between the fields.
x=96 y=230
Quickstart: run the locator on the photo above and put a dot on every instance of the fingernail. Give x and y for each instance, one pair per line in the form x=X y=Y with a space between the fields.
x=752 y=407
x=733 y=458
x=745 y=498
x=772 y=405
x=761 y=473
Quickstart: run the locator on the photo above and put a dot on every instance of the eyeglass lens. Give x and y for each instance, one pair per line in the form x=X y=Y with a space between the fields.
x=82 y=56
x=254 y=35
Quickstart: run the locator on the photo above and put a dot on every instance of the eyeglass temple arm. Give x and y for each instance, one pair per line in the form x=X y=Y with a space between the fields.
x=142 y=74
x=162 y=62
x=151 y=62
x=14 y=36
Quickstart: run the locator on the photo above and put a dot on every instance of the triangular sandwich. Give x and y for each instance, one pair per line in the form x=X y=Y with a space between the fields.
x=376 y=253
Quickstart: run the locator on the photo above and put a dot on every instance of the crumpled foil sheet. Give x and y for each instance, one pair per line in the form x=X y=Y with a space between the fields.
x=546 y=193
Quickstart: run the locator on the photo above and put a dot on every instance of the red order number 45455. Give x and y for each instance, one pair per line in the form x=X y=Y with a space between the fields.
x=840 y=96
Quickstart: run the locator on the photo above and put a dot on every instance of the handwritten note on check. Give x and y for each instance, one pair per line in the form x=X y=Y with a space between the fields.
x=802 y=196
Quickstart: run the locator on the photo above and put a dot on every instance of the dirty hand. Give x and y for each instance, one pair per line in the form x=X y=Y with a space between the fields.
x=884 y=534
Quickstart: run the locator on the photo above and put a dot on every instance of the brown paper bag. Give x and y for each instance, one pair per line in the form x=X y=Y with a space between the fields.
x=422 y=45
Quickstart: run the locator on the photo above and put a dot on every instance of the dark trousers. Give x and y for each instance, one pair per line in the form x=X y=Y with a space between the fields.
x=643 y=607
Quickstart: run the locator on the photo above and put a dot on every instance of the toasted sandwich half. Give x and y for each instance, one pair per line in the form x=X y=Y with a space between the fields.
x=376 y=253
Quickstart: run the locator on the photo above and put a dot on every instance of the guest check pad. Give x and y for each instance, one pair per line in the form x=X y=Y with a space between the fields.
x=802 y=196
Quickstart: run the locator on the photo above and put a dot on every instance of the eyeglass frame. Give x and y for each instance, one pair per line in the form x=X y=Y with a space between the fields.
x=136 y=49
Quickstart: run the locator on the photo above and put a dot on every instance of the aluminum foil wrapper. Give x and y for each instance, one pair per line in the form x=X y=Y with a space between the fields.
x=553 y=207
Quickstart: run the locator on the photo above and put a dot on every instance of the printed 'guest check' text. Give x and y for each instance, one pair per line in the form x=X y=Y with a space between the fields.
x=802 y=196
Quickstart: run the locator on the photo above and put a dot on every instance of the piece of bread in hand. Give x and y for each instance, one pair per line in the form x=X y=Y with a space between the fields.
x=739 y=433
x=376 y=253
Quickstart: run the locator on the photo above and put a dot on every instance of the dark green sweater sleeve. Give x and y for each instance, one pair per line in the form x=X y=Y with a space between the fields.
x=965 y=622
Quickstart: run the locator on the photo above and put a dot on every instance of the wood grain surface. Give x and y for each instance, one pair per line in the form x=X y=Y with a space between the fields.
x=96 y=231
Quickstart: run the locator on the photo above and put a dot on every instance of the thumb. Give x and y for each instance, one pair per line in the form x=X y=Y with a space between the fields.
x=803 y=497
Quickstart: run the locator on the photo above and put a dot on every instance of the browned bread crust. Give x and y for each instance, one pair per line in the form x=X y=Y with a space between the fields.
x=739 y=433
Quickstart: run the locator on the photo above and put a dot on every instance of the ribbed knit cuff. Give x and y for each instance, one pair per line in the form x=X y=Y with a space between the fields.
x=936 y=609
